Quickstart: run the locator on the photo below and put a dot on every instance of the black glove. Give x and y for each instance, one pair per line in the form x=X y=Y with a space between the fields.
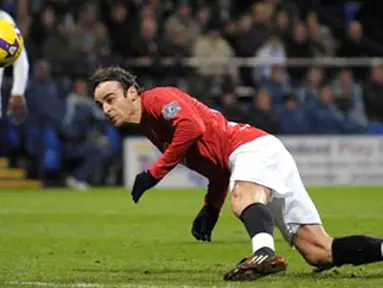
x=144 y=181
x=204 y=223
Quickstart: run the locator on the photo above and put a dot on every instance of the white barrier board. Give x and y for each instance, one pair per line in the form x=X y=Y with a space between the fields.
x=322 y=161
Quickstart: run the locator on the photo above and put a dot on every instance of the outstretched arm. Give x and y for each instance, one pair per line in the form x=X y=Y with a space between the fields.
x=187 y=126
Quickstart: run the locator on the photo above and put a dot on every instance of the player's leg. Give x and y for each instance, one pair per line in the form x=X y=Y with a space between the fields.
x=249 y=203
x=314 y=244
x=299 y=221
x=323 y=251
x=256 y=175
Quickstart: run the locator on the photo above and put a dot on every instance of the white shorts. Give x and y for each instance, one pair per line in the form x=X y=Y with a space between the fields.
x=267 y=162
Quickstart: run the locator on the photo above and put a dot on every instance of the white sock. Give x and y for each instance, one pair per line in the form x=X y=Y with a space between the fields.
x=381 y=249
x=261 y=240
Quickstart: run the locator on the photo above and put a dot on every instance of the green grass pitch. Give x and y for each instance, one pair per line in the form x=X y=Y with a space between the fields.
x=61 y=238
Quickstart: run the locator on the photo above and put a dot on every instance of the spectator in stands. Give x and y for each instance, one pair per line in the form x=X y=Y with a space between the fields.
x=145 y=12
x=147 y=43
x=246 y=43
x=222 y=12
x=291 y=118
x=245 y=46
x=309 y=90
x=57 y=48
x=348 y=96
x=196 y=87
x=90 y=37
x=147 y=47
x=283 y=25
x=290 y=6
x=260 y=32
x=273 y=53
x=203 y=17
x=262 y=115
x=277 y=85
x=160 y=8
x=229 y=32
x=44 y=103
x=212 y=45
x=230 y=107
x=84 y=128
x=174 y=45
x=298 y=47
x=324 y=118
x=183 y=18
x=374 y=94
x=119 y=25
x=43 y=26
x=320 y=37
x=355 y=44
x=45 y=110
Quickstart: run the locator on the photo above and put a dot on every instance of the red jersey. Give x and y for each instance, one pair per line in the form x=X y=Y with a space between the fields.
x=190 y=133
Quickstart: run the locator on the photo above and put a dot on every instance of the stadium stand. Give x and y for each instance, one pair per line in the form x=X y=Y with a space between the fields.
x=275 y=64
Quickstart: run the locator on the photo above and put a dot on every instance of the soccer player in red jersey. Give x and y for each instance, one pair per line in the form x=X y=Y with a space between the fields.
x=255 y=167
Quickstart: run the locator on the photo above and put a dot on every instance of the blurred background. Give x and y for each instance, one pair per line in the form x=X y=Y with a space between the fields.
x=290 y=67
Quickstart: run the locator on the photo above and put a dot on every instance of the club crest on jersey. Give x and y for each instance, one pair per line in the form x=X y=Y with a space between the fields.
x=170 y=110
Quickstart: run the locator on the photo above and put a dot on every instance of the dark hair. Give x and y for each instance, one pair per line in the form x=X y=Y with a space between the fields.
x=289 y=97
x=113 y=73
x=324 y=86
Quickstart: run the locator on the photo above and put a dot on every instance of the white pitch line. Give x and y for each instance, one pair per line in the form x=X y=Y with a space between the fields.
x=108 y=212
x=95 y=285
x=52 y=284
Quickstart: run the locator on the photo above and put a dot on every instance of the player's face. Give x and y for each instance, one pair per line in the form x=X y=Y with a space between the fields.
x=118 y=104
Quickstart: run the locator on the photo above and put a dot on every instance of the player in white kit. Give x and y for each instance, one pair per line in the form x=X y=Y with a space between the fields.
x=17 y=108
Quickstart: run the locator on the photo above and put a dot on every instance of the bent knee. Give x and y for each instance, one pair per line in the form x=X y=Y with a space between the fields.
x=247 y=193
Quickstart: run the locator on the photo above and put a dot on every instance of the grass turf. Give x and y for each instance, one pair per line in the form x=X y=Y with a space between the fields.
x=61 y=238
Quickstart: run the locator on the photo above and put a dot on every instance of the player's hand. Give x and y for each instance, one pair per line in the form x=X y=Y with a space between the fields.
x=204 y=223
x=17 y=108
x=144 y=181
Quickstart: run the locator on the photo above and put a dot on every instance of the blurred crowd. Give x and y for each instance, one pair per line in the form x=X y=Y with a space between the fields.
x=66 y=39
